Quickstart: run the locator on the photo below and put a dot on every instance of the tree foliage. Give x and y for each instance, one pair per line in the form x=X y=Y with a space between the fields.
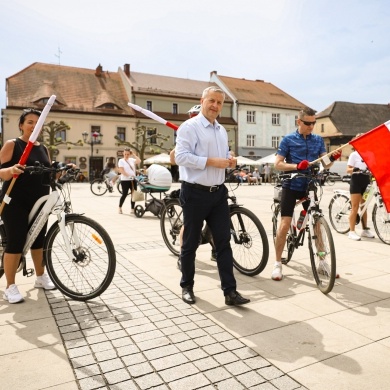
x=146 y=141
x=50 y=137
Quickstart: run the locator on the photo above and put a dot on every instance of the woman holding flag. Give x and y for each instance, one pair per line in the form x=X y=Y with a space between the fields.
x=27 y=189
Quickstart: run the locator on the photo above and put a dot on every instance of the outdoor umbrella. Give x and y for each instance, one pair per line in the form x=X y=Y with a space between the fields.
x=162 y=158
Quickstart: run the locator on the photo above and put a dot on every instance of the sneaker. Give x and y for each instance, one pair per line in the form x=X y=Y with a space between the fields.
x=12 y=294
x=324 y=269
x=44 y=282
x=353 y=236
x=277 y=272
x=213 y=256
x=367 y=233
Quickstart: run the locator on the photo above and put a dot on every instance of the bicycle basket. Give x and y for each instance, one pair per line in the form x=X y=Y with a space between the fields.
x=278 y=193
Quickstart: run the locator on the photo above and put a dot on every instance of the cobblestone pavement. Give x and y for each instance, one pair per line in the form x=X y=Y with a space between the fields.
x=140 y=335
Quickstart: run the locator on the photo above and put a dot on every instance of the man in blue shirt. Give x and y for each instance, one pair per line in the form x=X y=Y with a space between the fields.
x=295 y=152
x=202 y=154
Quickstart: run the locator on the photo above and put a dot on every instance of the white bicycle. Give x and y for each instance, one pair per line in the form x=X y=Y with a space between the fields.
x=340 y=208
x=78 y=252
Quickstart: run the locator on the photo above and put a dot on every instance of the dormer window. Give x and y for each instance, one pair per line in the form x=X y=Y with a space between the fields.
x=109 y=106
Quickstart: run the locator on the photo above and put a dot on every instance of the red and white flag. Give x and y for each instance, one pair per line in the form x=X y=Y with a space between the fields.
x=373 y=147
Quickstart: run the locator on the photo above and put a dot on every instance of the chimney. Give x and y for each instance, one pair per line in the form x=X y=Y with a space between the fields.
x=213 y=72
x=99 y=71
x=126 y=68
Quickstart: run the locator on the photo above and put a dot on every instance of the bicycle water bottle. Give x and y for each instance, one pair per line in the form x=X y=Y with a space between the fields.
x=302 y=216
x=366 y=192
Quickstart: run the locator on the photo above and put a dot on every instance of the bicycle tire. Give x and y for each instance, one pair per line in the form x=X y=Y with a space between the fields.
x=118 y=186
x=339 y=210
x=381 y=222
x=289 y=246
x=99 y=187
x=171 y=222
x=321 y=248
x=3 y=243
x=249 y=242
x=92 y=269
x=330 y=181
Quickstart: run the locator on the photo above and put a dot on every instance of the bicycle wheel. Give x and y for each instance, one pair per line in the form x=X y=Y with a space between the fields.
x=118 y=186
x=339 y=210
x=92 y=267
x=98 y=187
x=248 y=241
x=171 y=222
x=330 y=180
x=322 y=255
x=289 y=246
x=381 y=222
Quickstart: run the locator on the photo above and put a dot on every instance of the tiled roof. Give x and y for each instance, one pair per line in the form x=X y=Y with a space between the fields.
x=151 y=84
x=76 y=89
x=261 y=93
x=353 y=118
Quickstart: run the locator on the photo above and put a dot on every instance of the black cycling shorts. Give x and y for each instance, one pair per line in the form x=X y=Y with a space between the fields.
x=358 y=183
x=288 y=200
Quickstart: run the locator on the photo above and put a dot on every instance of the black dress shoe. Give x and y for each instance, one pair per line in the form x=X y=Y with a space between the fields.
x=233 y=298
x=188 y=295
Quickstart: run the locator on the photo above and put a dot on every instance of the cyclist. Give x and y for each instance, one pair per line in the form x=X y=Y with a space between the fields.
x=294 y=154
x=357 y=187
x=26 y=191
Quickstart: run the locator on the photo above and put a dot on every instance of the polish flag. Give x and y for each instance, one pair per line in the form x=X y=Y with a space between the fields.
x=373 y=147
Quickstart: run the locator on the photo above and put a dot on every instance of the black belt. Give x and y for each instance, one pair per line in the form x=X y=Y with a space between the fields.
x=204 y=188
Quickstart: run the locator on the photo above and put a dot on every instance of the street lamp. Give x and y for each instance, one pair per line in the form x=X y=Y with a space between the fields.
x=95 y=138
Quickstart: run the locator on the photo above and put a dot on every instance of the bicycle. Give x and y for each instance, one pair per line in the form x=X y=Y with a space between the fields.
x=320 y=240
x=78 y=252
x=340 y=208
x=248 y=237
x=101 y=185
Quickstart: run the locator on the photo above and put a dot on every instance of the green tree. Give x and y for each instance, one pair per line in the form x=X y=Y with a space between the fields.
x=146 y=140
x=51 y=137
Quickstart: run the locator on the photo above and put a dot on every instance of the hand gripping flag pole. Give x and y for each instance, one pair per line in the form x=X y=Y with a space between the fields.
x=29 y=146
x=152 y=115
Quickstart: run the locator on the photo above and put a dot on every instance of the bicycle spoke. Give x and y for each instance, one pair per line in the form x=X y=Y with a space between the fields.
x=381 y=222
x=339 y=210
x=322 y=255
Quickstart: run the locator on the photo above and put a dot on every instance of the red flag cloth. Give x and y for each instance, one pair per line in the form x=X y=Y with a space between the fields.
x=373 y=147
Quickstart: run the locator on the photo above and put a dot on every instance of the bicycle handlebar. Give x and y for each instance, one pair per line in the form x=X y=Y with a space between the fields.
x=40 y=169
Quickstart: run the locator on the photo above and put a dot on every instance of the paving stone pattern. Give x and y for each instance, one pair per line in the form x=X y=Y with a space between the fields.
x=140 y=335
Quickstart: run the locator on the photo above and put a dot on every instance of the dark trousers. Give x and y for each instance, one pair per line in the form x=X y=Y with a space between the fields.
x=199 y=206
x=127 y=186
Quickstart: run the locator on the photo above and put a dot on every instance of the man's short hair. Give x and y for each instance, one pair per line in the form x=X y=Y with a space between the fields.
x=213 y=88
x=306 y=111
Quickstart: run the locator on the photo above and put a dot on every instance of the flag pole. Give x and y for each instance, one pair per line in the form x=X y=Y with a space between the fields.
x=29 y=146
x=152 y=115
x=329 y=154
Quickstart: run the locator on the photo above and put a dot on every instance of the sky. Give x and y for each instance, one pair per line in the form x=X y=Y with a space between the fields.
x=318 y=51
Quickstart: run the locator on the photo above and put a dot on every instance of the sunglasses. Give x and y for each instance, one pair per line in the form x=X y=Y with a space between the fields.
x=308 y=123
x=31 y=111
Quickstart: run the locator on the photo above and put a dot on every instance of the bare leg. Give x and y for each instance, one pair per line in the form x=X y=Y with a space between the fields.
x=37 y=256
x=11 y=263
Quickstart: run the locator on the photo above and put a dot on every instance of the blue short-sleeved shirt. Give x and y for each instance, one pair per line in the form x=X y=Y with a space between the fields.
x=295 y=148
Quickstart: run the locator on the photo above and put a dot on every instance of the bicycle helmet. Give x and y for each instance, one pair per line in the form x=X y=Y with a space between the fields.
x=194 y=111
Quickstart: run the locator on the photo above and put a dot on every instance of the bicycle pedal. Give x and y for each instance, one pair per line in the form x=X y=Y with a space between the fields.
x=28 y=272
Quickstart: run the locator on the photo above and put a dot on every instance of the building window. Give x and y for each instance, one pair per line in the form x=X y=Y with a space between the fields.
x=61 y=134
x=275 y=141
x=121 y=133
x=276 y=119
x=97 y=130
x=251 y=116
x=151 y=135
x=250 y=140
x=175 y=108
x=149 y=105
x=322 y=128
